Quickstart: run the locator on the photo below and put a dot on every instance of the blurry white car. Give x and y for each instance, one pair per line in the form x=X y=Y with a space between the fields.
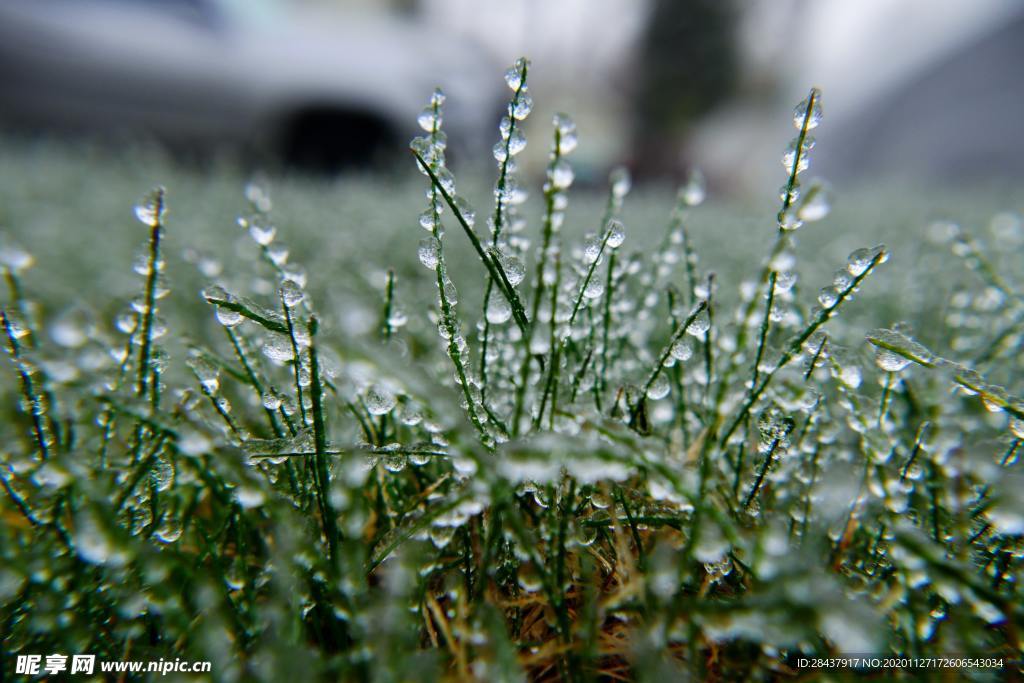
x=315 y=90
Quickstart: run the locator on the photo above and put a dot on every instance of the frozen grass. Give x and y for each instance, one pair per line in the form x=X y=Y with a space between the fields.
x=548 y=454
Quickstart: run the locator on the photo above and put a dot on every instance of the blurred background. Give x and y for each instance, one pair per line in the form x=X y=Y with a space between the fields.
x=931 y=90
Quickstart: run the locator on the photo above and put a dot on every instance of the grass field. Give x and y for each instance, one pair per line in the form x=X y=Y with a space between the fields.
x=303 y=463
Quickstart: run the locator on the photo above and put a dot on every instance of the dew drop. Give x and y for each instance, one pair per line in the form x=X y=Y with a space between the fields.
x=828 y=297
x=594 y=288
x=430 y=252
x=813 y=117
x=682 y=350
x=379 y=400
x=523 y=105
x=514 y=269
x=498 y=310
x=694 y=191
x=621 y=182
x=889 y=361
x=562 y=175
x=262 y=233
x=291 y=294
x=151 y=210
x=227 y=317
x=615 y=233
x=516 y=142
x=700 y=324
x=659 y=388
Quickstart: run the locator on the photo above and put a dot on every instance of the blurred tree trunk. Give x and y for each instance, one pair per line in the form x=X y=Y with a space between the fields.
x=687 y=65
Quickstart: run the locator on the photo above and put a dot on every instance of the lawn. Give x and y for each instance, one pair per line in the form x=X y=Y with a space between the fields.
x=628 y=434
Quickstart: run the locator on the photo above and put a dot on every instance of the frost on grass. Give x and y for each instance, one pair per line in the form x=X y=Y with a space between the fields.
x=585 y=459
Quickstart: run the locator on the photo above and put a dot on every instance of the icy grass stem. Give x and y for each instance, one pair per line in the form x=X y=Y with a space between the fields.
x=547 y=233
x=795 y=346
x=28 y=388
x=554 y=369
x=606 y=323
x=766 y=463
x=149 y=313
x=322 y=478
x=448 y=319
x=386 y=328
x=494 y=267
x=500 y=201
x=765 y=325
x=659 y=365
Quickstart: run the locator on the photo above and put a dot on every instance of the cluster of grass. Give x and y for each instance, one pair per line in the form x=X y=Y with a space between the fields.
x=534 y=459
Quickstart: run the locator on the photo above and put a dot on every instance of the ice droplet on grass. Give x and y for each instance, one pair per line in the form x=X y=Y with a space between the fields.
x=514 y=74
x=516 y=142
x=700 y=324
x=379 y=399
x=813 y=117
x=562 y=175
x=621 y=182
x=523 y=105
x=828 y=297
x=206 y=372
x=594 y=288
x=152 y=209
x=616 y=233
x=227 y=317
x=291 y=294
x=659 y=388
x=889 y=361
x=428 y=119
x=695 y=189
x=429 y=252
x=514 y=269
x=498 y=310
x=682 y=350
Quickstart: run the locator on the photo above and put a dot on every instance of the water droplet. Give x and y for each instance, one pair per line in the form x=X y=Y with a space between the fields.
x=498 y=310
x=262 y=233
x=621 y=182
x=514 y=269
x=516 y=142
x=291 y=294
x=523 y=105
x=14 y=258
x=695 y=189
x=591 y=249
x=206 y=372
x=700 y=324
x=616 y=233
x=860 y=259
x=170 y=530
x=785 y=281
x=889 y=361
x=249 y=497
x=152 y=209
x=813 y=117
x=514 y=74
x=429 y=120
x=430 y=252
x=379 y=400
x=500 y=154
x=278 y=348
x=682 y=350
x=227 y=317
x=828 y=297
x=594 y=288
x=562 y=175
x=659 y=388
